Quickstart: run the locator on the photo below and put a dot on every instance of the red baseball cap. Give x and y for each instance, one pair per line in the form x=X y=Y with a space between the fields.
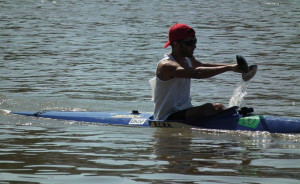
x=179 y=32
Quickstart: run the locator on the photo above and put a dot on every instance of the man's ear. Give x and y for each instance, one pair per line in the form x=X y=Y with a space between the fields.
x=175 y=43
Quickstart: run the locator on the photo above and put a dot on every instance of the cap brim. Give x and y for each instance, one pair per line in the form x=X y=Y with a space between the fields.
x=167 y=44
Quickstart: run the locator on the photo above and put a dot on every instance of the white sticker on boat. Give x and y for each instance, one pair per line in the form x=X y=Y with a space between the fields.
x=137 y=121
x=125 y=116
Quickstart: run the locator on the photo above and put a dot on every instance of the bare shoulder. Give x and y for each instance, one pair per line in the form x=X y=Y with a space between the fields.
x=166 y=68
x=167 y=65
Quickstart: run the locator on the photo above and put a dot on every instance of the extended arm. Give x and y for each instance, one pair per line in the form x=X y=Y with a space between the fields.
x=169 y=70
x=207 y=72
x=197 y=63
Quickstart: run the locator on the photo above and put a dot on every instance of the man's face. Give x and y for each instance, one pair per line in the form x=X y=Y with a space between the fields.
x=188 y=46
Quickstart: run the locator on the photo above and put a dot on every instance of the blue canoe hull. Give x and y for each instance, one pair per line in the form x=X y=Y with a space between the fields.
x=226 y=120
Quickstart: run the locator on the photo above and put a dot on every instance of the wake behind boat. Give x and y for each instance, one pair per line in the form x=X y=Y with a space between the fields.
x=230 y=119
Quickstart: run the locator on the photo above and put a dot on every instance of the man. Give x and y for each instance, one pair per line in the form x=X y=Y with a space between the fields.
x=171 y=86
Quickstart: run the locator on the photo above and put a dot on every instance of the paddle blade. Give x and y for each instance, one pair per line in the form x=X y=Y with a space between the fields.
x=242 y=63
x=249 y=75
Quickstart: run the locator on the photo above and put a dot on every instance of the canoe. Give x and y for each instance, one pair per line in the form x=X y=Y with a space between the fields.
x=230 y=119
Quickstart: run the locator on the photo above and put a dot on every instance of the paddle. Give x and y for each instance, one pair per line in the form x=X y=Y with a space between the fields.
x=247 y=72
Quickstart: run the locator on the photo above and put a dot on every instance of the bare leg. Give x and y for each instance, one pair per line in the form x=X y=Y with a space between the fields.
x=203 y=111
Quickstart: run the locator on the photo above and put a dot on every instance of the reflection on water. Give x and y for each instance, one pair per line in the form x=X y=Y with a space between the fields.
x=75 y=153
x=235 y=154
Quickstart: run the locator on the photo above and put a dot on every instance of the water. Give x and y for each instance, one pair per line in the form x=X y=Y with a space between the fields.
x=239 y=94
x=99 y=56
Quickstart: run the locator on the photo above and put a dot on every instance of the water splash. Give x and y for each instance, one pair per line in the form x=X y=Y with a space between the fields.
x=238 y=95
x=5 y=111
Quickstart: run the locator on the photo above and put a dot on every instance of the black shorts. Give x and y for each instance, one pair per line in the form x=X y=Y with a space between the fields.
x=179 y=115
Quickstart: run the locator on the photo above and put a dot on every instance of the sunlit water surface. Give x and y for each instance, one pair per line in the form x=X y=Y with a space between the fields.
x=99 y=56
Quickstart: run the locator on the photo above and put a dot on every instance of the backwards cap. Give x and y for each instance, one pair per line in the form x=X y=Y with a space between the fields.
x=179 y=32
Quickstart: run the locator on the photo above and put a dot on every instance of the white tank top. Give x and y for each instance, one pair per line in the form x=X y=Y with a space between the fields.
x=172 y=95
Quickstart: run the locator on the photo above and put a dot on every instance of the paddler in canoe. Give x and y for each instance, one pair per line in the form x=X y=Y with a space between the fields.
x=171 y=85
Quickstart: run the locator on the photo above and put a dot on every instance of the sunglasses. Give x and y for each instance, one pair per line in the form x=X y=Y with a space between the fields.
x=190 y=42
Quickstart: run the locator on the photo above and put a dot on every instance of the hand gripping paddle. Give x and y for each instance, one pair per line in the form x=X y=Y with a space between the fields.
x=247 y=72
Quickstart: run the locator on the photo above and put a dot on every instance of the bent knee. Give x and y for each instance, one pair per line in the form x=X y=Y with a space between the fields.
x=209 y=106
x=219 y=107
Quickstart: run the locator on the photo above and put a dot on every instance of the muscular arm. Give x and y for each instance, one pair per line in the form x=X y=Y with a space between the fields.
x=168 y=70
x=207 y=72
x=197 y=63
